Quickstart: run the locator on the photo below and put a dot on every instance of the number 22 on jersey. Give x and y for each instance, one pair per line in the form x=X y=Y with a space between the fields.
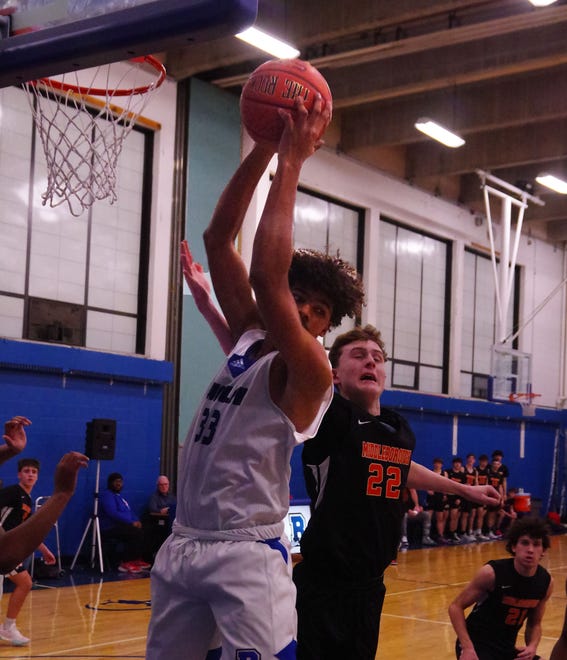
x=392 y=480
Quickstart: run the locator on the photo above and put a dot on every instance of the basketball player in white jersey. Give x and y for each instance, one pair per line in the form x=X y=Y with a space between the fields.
x=223 y=578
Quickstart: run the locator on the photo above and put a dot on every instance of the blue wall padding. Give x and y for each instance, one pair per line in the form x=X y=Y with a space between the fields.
x=61 y=389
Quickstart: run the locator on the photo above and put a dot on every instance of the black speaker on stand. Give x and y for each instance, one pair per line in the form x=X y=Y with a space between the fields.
x=100 y=445
x=101 y=439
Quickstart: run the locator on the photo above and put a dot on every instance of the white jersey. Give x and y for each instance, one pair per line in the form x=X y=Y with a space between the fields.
x=234 y=467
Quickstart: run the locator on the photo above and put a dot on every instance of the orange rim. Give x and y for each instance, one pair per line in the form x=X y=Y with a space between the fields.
x=67 y=87
x=520 y=395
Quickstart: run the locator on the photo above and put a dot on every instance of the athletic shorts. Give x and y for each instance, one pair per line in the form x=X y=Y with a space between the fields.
x=436 y=502
x=454 y=501
x=234 y=594
x=466 y=506
x=20 y=568
x=336 y=621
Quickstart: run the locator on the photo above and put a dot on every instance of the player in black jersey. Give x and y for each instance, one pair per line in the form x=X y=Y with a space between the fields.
x=495 y=479
x=468 y=509
x=355 y=469
x=498 y=455
x=456 y=473
x=482 y=472
x=505 y=593
x=437 y=505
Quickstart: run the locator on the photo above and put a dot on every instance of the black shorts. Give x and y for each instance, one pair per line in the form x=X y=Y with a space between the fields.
x=20 y=568
x=336 y=621
x=454 y=501
x=467 y=506
x=436 y=502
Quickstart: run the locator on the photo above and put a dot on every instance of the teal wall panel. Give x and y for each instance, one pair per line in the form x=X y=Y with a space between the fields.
x=213 y=156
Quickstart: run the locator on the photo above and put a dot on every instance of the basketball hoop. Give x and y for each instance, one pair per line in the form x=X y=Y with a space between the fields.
x=82 y=135
x=526 y=400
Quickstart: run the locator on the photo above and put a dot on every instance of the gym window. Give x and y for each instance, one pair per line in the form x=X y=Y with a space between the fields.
x=413 y=307
x=79 y=281
x=480 y=320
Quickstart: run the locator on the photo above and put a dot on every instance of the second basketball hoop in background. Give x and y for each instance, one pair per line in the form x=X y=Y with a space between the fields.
x=82 y=119
x=274 y=85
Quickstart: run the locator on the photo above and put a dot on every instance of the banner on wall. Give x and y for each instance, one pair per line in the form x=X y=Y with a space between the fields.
x=295 y=524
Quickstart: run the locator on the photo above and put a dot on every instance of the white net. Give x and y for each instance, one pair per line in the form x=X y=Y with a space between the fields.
x=82 y=127
x=527 y=401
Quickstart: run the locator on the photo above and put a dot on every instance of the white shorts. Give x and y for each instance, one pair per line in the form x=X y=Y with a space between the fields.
x=234 y=594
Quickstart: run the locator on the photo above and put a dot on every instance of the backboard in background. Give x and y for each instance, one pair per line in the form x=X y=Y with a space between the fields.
x=48 y=37
x=510 y=373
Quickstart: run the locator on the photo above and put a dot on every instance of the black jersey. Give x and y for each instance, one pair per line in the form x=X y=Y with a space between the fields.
x=457 y=475
x=15 y=506
x=482 y=474
x=495 y=479
x=495 y=622
x=471 y=476
x=355 y=469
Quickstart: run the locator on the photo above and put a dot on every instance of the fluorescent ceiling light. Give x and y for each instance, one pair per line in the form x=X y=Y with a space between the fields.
x=542 y=3
x=553 y=182
x=438 y=132
x=270 y=44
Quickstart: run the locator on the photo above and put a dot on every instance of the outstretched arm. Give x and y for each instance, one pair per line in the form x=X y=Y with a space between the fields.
x=424 y=479
x=307 y=372
x=560 y=649
x=201 y=291
x=14 y=437
x=478 y=587
x=533 y=628
x=228 y=272
x=20 y=542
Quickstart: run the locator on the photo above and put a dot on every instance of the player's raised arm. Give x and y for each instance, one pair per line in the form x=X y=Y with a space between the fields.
x=201 y=291
x=228 y=271
x=293 y=332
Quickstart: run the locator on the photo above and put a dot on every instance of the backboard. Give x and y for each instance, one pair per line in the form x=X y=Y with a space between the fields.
x=510 y=373
x=41 y=38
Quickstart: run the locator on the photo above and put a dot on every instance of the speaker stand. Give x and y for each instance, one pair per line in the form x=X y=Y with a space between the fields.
x=96 y=542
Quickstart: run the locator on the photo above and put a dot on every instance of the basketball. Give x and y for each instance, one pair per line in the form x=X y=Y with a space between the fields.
x=274 y=85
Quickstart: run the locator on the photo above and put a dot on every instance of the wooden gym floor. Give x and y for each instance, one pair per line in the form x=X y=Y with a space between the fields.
x=108 y=619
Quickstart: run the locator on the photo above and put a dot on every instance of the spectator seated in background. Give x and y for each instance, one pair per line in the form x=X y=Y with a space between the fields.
x=416 y=516
x=161 y=513
x=118 y=522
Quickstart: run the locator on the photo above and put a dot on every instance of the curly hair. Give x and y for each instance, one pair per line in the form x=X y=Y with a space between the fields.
x=535 y=528
x=368 y=333
x=336 y=279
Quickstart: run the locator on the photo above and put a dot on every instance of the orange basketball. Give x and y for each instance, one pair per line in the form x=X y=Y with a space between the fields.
x=274 y=85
